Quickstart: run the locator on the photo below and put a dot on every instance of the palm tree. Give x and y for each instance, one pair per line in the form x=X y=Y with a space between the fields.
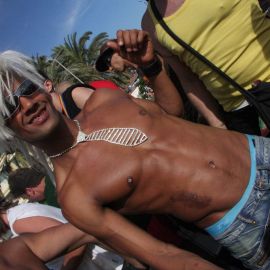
x=79 y=59
x=41 y=62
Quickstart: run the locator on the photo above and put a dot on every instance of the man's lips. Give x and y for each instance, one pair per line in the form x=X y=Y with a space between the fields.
x=40 y=117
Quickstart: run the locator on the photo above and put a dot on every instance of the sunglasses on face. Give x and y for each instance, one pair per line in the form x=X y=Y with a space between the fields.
x=26 y=89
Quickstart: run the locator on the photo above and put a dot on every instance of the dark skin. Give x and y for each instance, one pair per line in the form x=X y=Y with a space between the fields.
x=31 y=251
x=17 y=246
x=180 y=170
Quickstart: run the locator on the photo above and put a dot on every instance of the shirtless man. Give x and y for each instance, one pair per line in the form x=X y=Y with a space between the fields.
x=144 y=161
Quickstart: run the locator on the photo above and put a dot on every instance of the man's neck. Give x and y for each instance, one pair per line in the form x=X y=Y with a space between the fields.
x=62 y=137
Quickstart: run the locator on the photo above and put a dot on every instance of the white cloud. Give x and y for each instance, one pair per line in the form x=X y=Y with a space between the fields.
x=77 y=10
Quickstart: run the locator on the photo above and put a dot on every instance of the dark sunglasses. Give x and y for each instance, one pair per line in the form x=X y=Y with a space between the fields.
x=27 y=88
x=103 y=62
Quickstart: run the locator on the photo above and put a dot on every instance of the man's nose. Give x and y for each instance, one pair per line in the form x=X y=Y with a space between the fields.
x=28 y=105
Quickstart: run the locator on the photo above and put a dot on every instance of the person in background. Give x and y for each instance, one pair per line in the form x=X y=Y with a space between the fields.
x=110 y=59
x=34 y=218
x=70 y=98
x=233 y=34
x=33 y=184
x=30 y=217
x=31 y=250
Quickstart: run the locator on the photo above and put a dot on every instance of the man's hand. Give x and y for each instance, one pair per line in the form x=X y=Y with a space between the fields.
x=134 y=46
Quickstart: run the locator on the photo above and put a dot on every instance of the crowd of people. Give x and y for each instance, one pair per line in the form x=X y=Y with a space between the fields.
x=120 y=163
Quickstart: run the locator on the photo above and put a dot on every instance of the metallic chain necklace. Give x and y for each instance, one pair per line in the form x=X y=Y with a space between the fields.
x=121 y=136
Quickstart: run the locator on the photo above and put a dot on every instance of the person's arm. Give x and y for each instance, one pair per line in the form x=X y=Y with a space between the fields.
x=198 y=95
x=55 y=241
x=136 y=47
x=37 y=224
x=166 y=94
x=124 y=237
x=16 y=255
x=30 y=251
x=34 y=224
x=73 y=259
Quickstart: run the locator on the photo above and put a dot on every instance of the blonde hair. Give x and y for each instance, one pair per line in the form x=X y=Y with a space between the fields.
x=14 y=66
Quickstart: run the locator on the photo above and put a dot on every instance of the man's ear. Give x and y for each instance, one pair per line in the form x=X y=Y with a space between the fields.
x=48 y=85
x=30 y=192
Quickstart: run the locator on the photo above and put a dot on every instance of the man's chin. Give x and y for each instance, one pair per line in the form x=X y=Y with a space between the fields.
x=40 y=137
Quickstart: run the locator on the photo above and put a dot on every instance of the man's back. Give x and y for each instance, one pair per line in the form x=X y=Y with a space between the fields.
x=182 y=172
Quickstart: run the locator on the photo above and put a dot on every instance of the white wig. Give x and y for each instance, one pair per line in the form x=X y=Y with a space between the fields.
x=14 y=66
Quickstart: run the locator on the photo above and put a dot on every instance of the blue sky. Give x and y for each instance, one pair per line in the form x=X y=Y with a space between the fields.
x=36 y=26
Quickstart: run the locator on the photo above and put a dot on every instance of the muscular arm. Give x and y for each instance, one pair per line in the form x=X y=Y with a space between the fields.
x=124 y=237
x=202 y=100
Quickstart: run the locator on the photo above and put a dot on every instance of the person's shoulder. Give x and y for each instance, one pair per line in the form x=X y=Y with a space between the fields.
x=146 y=22
x=103 y=96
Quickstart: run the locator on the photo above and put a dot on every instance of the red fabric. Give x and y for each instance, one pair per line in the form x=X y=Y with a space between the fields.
x=161 y=228
x=103 y=84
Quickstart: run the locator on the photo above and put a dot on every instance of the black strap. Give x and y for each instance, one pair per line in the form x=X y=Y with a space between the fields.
x=159 y=18
x=264 y=5
x=71 y=108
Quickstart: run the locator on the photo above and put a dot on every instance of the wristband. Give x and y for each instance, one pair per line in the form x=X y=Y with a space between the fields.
x=153 y=69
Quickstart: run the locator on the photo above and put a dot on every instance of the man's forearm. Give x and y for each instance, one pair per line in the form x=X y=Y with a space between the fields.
x=129 y=240
x=166 y=94
x=178 y=259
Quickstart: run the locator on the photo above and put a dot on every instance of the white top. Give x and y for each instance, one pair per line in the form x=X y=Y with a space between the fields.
x=96 y=258
x=27 y=210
